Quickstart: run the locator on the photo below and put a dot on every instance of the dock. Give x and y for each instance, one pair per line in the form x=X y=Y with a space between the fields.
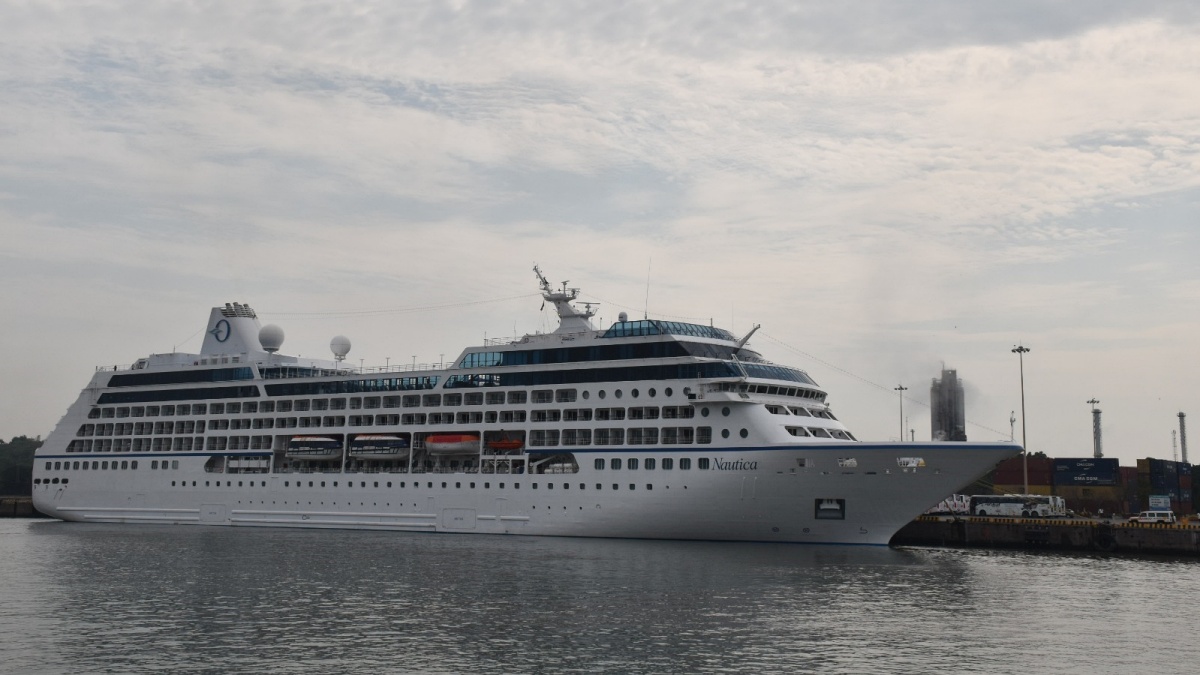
x=1068 y=534
x=18 y=507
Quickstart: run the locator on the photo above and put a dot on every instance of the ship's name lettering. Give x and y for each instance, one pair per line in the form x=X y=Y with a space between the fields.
x=735 y=465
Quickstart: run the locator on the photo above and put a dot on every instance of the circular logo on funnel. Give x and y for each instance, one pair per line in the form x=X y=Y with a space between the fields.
x=221 y=331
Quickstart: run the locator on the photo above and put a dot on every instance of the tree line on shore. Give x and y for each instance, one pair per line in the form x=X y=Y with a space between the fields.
x=16 y=466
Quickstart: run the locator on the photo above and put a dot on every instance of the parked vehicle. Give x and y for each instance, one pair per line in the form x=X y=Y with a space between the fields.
x=1153 y=517
x=1018 y=506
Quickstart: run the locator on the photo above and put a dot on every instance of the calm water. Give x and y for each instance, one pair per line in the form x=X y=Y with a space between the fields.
x=106 y=598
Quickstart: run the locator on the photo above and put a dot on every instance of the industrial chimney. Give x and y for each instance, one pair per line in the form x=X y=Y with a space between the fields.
x=1183 y=436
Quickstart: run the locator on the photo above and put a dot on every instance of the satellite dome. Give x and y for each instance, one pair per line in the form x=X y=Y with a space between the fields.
x=340 y=346
x=622 y=317
x=271 y=338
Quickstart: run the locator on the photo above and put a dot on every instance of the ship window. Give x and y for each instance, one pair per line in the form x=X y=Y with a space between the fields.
x=685 y=463
x=704 y=435
x=633 y=464
x=617 y=393
x=649 y=464
x=602 y=394
x=94 y=413
x=614 y=464
x=668 y=464
x=543 y=396
x=634 y=393
x=565 y=395
x=587 y=395
x=133 y=464
x=104 y=466
x=632 y=486
x=49 y=465
x=599 y=463
x=725 y=411
x=702 y=464
x=743 y=433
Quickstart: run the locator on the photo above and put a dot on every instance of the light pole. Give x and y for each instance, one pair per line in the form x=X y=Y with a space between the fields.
x=901 y=389
x=1021 y=351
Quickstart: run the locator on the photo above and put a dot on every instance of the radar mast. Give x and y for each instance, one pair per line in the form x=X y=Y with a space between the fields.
x=570 y=320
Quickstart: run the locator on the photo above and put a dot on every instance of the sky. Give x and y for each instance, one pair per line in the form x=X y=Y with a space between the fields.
x=887 y=187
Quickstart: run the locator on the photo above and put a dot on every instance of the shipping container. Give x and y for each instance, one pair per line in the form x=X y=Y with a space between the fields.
x=1019 y=488
x=1185 y=469
x=1012 y=471
x=1086 y=471
x=1094 y=499
x=1143 y=466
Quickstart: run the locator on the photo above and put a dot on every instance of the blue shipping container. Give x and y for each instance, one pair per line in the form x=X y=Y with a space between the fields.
x=1087 y=471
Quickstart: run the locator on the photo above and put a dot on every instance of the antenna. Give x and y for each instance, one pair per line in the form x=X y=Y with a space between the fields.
x=646 y=310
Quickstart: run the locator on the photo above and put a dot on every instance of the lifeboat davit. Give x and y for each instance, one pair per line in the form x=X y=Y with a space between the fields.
x=452 y=444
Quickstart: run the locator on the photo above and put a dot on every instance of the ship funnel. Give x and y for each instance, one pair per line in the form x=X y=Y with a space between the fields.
x=232 y=329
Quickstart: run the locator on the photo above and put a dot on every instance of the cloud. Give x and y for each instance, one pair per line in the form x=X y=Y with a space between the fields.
x=892 y=184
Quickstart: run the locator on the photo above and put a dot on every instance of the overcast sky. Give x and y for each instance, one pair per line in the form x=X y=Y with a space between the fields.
x=885 y=187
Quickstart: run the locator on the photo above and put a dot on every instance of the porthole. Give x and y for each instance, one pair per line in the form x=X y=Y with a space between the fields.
x=587 y=395
x=635 y=393
x=652 y=392
x=704 y=412
x=617 y=393
x=743 y=433
x=669 y=391
x=724 y=433
x=725 y=411
x=602 y=394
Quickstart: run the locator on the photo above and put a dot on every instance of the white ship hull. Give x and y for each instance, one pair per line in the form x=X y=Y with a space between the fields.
x=759 y=495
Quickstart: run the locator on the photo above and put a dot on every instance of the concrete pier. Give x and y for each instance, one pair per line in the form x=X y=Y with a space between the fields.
x=1050 y=533
x=18 y=507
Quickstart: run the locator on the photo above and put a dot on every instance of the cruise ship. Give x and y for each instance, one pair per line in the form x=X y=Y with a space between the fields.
x=644 y=429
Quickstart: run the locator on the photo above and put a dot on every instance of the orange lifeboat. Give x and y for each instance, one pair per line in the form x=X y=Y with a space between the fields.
x=451 y=444
x=506 y=444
